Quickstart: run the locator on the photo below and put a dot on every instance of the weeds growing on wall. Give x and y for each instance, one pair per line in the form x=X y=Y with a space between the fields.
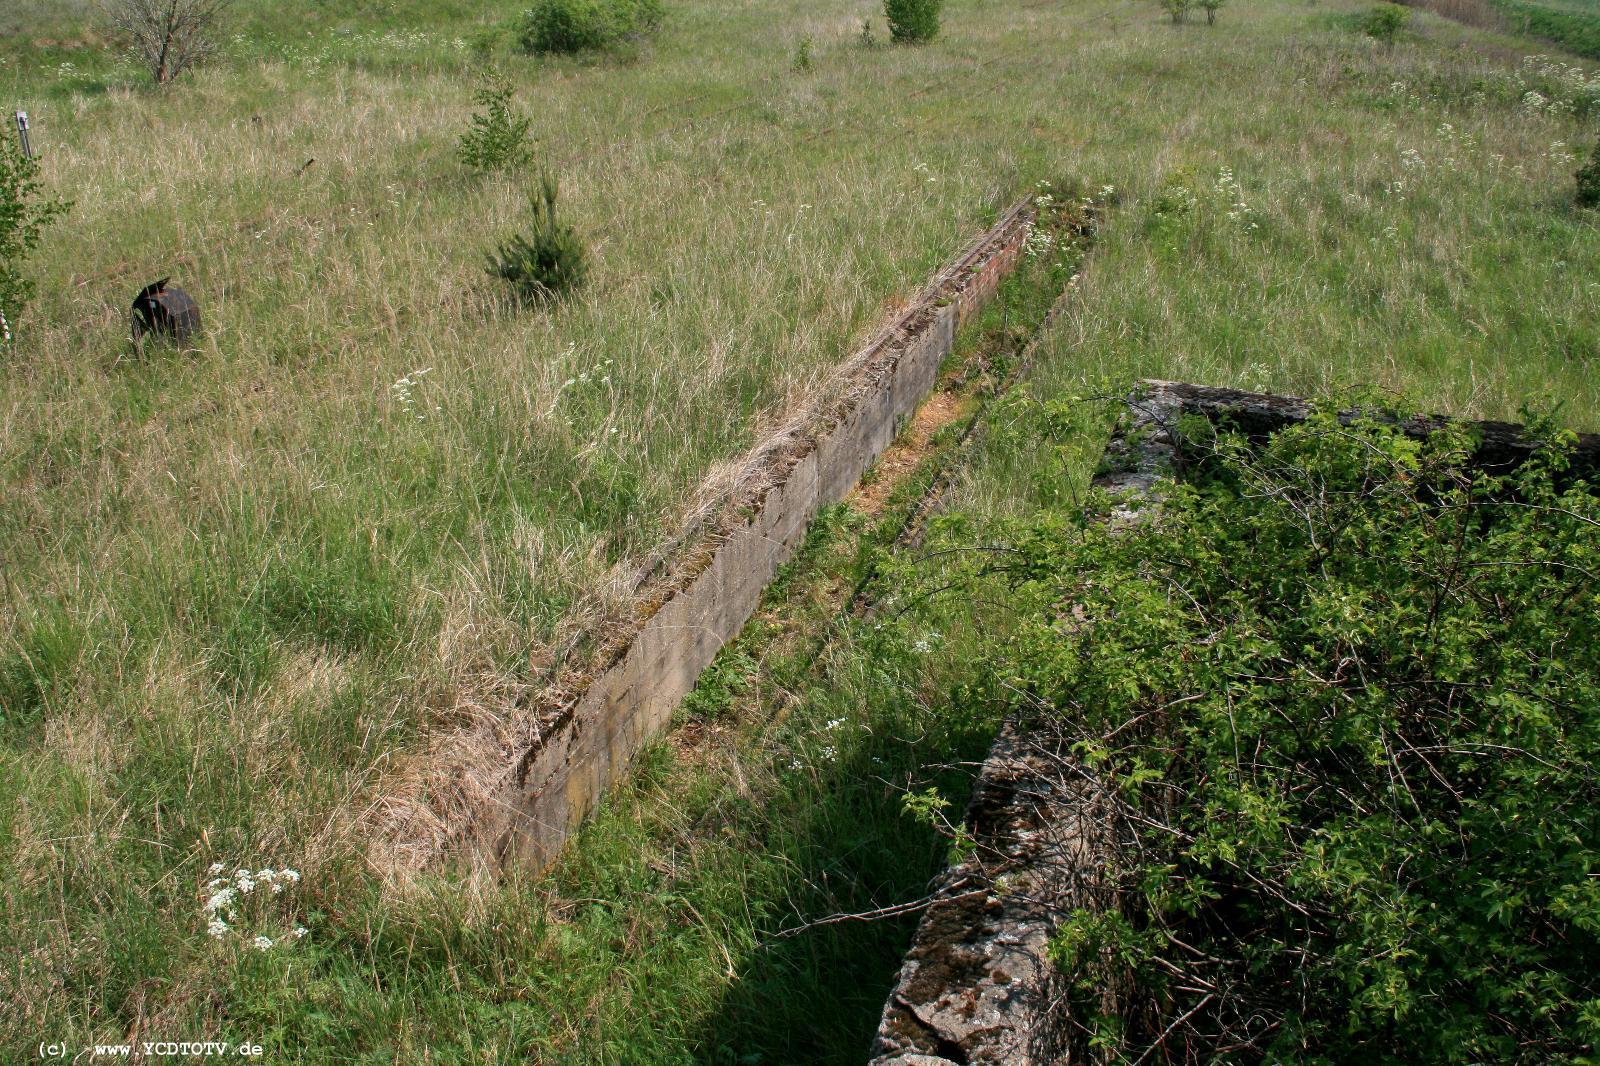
x=1337 y=709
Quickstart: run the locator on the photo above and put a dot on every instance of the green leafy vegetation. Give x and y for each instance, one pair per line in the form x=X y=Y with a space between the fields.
x=1383 y=22
x=243 y=593
x=1588 y=179
x=498 y=135
x=1575 y=28
x=546 y=262
x=912 y=21
x=25 y=210
x=1337 y=703
x=565 y=26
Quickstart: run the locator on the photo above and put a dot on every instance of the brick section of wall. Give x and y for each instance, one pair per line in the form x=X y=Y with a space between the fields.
x=556 y=782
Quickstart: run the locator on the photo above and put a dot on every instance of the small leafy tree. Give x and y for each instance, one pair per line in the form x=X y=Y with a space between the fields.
x=168 y=36
x=802 y=55
x=24 y=213
x=1211 y=7
x=497 y=136
x=913 y=21
x=1384 y=22
x=568 y=26
x=1589 y=180
x=1178 y=9
x=549 y=260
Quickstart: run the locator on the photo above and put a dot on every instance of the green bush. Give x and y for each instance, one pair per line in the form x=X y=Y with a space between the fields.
x=497 y=136
x=802 y=55
x=1178 y=9
x=566 y=26
x=548 y=261
x=913 y=21
x=1589 y=180
x=1384 y=22
x=1341 y=703
x=1211 y=7
x=24 y=213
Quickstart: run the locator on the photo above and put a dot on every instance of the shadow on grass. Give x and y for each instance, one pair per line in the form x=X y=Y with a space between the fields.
x=813 y=993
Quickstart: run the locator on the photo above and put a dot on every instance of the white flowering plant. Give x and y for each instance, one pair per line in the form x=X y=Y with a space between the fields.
x=253 y=907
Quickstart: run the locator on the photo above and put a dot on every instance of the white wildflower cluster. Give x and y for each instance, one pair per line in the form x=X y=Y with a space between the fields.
x=1560 y=154
x=1458 y=146
x=1238 y=210
x=1404 y=96
x=405 y=394
x=1554 y=88
x=1039 y=243
x=5 y=329
x=593 y=378
x=1540 y=85
x=244 y=894
x=922 y=168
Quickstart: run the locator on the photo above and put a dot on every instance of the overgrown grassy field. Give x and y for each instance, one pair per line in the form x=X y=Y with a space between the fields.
x=241 y=586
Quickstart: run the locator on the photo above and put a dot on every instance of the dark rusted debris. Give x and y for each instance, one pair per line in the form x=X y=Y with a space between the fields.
x=166 y=312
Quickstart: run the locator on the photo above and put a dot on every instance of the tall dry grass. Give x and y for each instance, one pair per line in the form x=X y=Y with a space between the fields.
x=244 y=586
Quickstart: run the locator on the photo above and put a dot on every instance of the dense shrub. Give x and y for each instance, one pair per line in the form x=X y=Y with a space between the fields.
x=1340 y=704
x=913 y=21
x=1211 y=8
x=1384 y=22
x=546 y=262
x=1589 y=180
x=25 y=211
x=566 y=26
x=497 y=136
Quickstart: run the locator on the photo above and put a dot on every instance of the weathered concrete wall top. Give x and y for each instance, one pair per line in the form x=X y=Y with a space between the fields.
x=555 y=777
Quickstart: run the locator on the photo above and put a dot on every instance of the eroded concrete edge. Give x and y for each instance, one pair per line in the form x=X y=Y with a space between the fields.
x=553 y=783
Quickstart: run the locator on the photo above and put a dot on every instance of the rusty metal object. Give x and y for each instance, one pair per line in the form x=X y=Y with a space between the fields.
x=165 y=312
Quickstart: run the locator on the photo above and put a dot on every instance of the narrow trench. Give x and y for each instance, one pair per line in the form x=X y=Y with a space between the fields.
x=804 y=620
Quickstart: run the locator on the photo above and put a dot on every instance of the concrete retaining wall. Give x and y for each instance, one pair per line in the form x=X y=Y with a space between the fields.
x=554 y=782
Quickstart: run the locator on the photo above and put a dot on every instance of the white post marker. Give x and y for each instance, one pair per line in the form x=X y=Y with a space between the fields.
x=22 y=132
